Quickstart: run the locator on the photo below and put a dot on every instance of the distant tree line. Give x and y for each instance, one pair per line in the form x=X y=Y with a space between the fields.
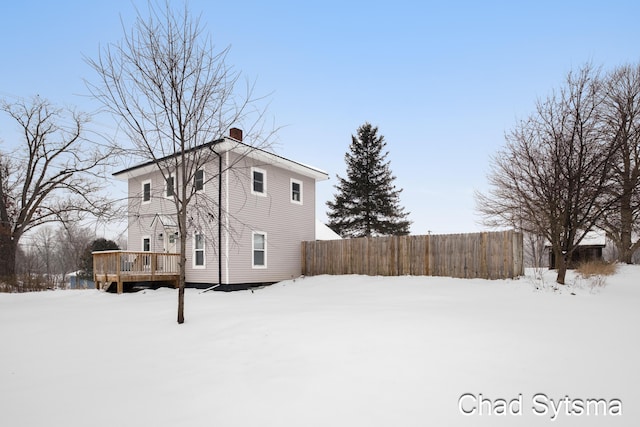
x=51 y=253
x=573 y=166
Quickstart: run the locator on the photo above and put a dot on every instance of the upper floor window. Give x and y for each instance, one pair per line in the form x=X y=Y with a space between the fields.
x=198 y=180
x=296 y=191
x=146 y=191
x=258 y=181
x=170 y=186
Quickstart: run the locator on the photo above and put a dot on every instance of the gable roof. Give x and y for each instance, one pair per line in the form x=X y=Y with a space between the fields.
x=229 y=144
x=593 y=238
x=323 y=232
x=167 y=221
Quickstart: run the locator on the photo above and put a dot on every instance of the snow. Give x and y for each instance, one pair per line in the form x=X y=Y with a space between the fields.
x=323 y=232
x=594 y=237
x=323 y=351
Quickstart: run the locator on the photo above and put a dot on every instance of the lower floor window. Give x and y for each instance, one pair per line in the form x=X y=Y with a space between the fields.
x=259 y=249
x=198 y=249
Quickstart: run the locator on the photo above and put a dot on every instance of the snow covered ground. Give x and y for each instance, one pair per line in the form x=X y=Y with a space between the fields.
x=327 y=351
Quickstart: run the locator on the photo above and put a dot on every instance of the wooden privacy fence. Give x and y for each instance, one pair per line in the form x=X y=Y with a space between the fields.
x=489 y=255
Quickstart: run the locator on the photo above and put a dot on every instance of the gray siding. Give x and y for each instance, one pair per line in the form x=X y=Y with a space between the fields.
x=141 y=215
x=285 y=224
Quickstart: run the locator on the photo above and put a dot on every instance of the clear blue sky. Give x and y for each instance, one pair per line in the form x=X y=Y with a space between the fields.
x=443 y=81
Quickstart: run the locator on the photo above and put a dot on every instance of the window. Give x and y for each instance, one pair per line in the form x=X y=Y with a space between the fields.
x=259 y=250
x=146 y=259
x=198 y=250
x=198 y=180
x=146 y=244
x=258 y=181
x=170 y=241
x=296 y=191
x=169 y=186
x=146 y=191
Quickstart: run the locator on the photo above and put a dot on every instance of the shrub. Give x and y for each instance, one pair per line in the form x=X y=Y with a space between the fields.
x=25 y=283
x=596 y=268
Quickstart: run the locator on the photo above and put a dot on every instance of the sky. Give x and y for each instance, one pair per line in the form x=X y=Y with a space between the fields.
x=442 y=81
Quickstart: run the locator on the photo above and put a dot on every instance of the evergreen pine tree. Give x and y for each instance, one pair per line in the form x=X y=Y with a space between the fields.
x=86 y=260
x=367 y=202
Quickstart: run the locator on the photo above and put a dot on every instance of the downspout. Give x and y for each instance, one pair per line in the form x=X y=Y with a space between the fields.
x=219 y=220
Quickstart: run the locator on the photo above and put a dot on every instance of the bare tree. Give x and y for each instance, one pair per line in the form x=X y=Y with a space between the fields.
x=534 y=251
x=51 y=176
x=551 y=177
x=176 y=96
x=621 y=120
x=44 y=244
x=29 y=271
x=72 y=241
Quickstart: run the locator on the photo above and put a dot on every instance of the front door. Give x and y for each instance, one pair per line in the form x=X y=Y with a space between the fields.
x=170 y=243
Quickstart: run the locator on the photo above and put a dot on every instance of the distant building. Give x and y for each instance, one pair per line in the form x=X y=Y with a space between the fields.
x=589 y=249
x=76 y=282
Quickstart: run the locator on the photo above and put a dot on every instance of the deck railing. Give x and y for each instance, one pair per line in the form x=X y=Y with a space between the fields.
x=134 y=266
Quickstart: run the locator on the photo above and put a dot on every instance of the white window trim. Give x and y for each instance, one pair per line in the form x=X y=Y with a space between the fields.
x=204 y=180
x=204 y=252
x=266 y=240
x=264 y=182
x=175 y=185
x=145 y=182
x=142 y=243
x=296 y=181
x=146 y=259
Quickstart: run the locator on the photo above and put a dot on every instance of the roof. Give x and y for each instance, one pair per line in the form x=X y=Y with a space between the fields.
x=230 y=144
x=167 y=221
x=594 y=238
x=323 y=232
x=591 y=238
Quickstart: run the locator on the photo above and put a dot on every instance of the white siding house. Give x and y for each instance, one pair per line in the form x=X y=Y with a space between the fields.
x=267 y=209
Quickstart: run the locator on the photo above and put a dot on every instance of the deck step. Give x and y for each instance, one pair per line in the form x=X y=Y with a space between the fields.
x=106 y=286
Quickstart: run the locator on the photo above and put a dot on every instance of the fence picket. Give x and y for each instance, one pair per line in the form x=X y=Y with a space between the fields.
x=490 y=255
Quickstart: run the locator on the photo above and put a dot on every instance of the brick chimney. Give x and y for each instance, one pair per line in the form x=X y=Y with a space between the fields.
x=235 y=133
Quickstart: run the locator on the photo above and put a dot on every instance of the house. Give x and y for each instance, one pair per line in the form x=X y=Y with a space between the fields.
x=251 y=212
x=589 y=249
x=77 y=282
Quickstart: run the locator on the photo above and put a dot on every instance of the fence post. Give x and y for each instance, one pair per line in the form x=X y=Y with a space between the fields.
x=489 y=255
x=303 y=258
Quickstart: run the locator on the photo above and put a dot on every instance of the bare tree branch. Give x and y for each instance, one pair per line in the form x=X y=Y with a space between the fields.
x=176 y=96
x=51 y=177
x=552 y=177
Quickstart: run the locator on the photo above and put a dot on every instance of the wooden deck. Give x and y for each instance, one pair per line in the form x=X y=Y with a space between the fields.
x=130 y=266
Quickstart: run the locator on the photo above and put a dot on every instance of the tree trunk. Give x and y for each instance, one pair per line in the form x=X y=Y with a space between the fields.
x=561 y=265
x=626 y=223
x=182 y=230
x=181 y=282
x=8 y=249
x=181 y=301
x=624 y=250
